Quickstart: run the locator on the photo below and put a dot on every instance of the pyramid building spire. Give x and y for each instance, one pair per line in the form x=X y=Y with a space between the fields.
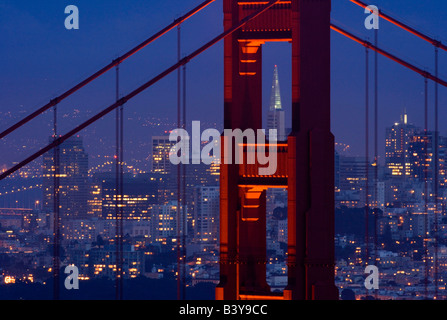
x=276 y=114
x=275 y=98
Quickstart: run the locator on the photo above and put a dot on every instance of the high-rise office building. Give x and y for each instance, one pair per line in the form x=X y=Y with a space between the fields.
x=161 y=147
x=397 y=148
x=206 y=214
x=352 y=173
x=420 y=155
x=195 y=174
x=411 y=150
x=352 y=181
x=276 y=114
x=164 y=221
x=73 y=179
x=139 y=194
x=164 y=169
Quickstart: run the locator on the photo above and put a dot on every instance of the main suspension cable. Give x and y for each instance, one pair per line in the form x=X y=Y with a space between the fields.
x=99 y=73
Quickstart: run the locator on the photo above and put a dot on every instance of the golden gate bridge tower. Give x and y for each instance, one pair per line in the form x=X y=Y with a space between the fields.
x=305 y=164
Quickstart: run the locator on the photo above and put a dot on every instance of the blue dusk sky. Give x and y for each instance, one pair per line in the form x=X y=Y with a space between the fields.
x=40 y=59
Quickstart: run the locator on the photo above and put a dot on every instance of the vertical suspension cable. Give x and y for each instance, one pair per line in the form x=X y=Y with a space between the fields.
x=376 y=148
x=117 y=275
x=184 y=219
x=425 y=239
x=179 y=172
x=436 y=180
x=56 y=213
x=367 y=155
x=118 y=217
x=117 y=231
x=121 y=211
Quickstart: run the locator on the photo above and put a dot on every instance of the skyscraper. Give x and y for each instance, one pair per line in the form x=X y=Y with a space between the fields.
x=352 y=173
x=397 y=147
x=276 y=114
x=162 y=166
x=161 y=146
x=164 y=222
x=420 y=153
x=139 y=193
x=206 y=214
x=73 y=179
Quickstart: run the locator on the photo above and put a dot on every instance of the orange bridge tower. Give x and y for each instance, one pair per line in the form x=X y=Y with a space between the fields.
x=305 y=162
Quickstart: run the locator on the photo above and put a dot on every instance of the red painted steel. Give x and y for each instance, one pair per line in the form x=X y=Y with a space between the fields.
x=308 y=171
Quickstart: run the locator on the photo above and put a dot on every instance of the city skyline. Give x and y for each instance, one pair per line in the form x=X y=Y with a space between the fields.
x=360 y=180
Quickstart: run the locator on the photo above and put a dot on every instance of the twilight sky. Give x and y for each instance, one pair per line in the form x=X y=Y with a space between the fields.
x=40 y=59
